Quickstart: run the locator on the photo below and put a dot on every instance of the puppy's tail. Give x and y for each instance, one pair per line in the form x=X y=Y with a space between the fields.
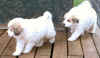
x=47 y=15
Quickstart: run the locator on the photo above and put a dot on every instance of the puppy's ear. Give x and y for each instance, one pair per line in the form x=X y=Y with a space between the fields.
x=75 y=20
x=17 y=29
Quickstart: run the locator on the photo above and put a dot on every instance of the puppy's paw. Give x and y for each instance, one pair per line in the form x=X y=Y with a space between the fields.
x=71 y=39
x=16 y=54
x=91 y=32
x=26 y=51
x=52 y=40
x=39 y=45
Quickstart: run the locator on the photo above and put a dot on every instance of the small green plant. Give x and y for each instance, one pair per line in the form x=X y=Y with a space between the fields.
x=76 y=2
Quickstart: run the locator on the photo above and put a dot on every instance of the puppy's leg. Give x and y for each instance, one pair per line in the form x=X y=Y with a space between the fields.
x=19 y=47
x=76 y=34
x=52 y=40
x=94 y=28
x=29 y=47
x=40 y=43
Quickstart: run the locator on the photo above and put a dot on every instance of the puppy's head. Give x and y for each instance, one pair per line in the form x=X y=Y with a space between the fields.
x=70 y=20
x=14 y=27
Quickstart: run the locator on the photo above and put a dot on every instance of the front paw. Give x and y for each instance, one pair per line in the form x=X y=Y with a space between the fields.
x=26 y=51
x=71 y=39
x=16 y=53
x=52 y=40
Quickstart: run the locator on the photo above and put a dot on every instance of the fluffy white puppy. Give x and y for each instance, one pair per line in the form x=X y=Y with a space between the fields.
x=31 y=32
x=80 y=19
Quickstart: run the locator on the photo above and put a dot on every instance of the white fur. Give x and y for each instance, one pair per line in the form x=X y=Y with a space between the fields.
x=87 y=18
x=34 y=32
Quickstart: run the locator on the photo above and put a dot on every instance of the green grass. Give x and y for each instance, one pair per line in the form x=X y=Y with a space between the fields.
x=76 y=2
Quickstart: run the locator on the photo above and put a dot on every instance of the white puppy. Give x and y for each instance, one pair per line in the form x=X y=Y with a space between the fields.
x=80 y=19
x=31 y=32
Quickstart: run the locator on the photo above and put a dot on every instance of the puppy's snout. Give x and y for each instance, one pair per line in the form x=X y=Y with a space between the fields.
x=17 y=33
x=63 y=24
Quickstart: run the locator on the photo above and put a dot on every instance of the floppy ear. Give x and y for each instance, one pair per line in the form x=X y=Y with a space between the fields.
x=75 y=20
x=17 y=29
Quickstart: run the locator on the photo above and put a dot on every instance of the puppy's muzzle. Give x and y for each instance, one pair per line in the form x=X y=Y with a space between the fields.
x=16 y=32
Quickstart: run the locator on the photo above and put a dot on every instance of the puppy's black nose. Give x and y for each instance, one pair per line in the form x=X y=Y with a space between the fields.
x=62 y=24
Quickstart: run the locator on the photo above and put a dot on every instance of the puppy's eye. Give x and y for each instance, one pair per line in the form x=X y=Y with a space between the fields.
x=69 y=20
